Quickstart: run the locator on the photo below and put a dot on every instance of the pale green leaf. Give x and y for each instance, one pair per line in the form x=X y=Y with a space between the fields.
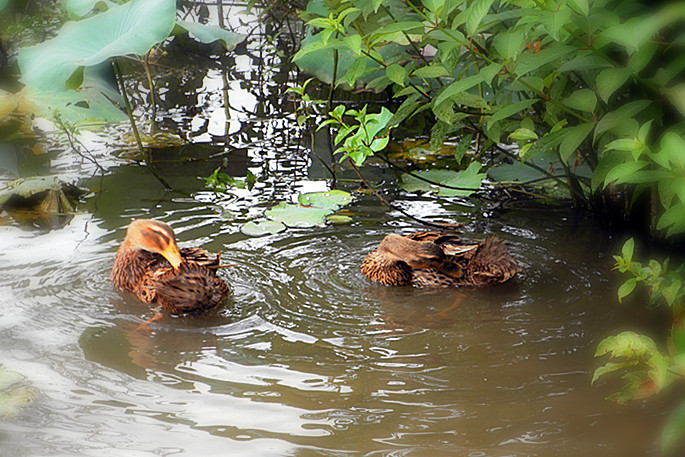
x=132 y=28
x=610 y=80
x=210 y=33
x=574 y=138
x=396 y=73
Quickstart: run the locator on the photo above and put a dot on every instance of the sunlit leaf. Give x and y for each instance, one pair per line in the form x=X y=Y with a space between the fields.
x=467 y=181
x=132 y=28
x=332 y=199
x=626 y=288
x=210 y=33
x=262 y=228
x=396 y=73
x=298 y=215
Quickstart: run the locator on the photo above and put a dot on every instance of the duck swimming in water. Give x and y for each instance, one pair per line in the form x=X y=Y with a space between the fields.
x=149 y=264
x=433 y=259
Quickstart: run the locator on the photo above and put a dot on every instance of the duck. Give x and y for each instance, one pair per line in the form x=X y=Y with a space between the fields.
x=181 y=281
x=437 y=259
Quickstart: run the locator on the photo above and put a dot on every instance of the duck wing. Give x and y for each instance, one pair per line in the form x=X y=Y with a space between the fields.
x=192 y=288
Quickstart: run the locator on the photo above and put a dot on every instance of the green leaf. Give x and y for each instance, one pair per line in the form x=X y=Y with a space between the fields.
x=574 y=138
x=554 y=21
x=475 y=14
x=610 y=79
x=297 y=215
x=210 y=33
x=90 y=106
x=672 y=219
x=619 y=116
x=583 y=100
x=355 y=71
x=523 y=134
x=674 y=430
x=332 y=199
x=133 y=28
x=509 y=44
x=633 y=33
x=80 y=8
x=676 y=95
x=457 y=88
x=580 y=6
x=627 y=250
x=508 y=110
x=610 y=367
x=468 y=181
x=430 y=71
x=624 y=170
x=262 y=228
x=545 y=56
x=353 y=43
x=627 y=344
x=396 y=73
x=626 y=288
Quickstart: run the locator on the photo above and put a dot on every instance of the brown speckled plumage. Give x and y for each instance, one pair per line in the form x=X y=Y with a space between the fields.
x=149 y=264
x=433 y=259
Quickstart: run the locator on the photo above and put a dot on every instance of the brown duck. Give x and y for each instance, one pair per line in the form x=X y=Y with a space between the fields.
x=433 y=259
x=150 y=265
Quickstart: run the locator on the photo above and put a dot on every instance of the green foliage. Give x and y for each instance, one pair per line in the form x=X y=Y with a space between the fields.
x=362 y=139
x=221 y=182
x=582 y=82
x=651 y=371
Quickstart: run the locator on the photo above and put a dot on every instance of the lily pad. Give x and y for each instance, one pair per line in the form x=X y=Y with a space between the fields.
x=332 y=199
x=262 y=228
x=210 y=33
x=339 y=219
x=468 y=181
x=298 y=216
x=132 y=28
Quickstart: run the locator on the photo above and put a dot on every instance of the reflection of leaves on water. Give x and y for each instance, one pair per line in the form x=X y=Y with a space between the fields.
x=14 y=394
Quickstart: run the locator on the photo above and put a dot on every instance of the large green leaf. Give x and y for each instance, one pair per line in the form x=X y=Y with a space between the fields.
x=133 y=28
x=90 y=105
x=467 y=181
x=262 y=228
x=80 y=8
x=297 y=215
x=210 y=33
x=332 y=199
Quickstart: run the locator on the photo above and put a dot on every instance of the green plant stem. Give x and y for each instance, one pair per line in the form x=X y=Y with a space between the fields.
x=143 y=152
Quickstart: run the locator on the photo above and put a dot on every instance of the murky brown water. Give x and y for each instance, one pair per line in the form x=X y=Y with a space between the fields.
x=308 y=358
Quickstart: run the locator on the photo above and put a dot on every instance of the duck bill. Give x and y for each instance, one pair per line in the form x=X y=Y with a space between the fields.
x=173 y=256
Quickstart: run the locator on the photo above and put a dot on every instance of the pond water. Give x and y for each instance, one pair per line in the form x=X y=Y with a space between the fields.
x=307 y=358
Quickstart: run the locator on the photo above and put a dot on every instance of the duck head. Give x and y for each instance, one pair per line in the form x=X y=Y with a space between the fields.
x=156 y=237
x=416 y=254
